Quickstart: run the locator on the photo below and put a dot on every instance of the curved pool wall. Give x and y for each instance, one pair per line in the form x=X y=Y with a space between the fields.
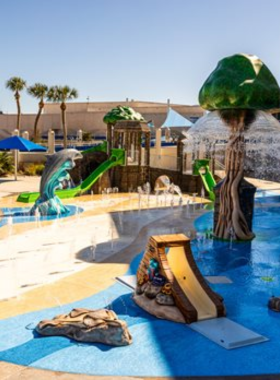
x=164 y=348
x=21 y=215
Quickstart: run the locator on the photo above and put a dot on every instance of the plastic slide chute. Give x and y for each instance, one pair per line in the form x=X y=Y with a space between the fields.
x=170 y=284
x=201 y=167
x=117 y=158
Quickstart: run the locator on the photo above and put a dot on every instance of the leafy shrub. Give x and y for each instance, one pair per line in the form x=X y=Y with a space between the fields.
x=87 y=136
x=32 y=169
x=6 y=164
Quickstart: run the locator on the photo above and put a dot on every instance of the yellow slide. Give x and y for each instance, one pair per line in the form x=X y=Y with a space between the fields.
x=189 y=284
x=170 y=260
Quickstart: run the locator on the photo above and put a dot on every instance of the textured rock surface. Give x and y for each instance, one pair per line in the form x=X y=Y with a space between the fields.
x=165 y=299
x=171 y=313
x=151 y=290
x=84 y=325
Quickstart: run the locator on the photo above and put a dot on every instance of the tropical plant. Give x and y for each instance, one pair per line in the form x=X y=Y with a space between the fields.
x=16 y=84
x=38 y=91
x=32 y=169
x=6 y=165
x=87 y=136
x=238 y=87
x=61 y=94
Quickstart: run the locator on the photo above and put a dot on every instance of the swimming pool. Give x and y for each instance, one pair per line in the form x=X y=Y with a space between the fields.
x=21 y=215
x=267 y=196
x=164 y=348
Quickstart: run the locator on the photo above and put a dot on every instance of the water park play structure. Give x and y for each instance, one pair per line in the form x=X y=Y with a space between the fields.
x=238 y=108
x=117 y=157
x=55 y=172
x=170 y=285
x=171 y=273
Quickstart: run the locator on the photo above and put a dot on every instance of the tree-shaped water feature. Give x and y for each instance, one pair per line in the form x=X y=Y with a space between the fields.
x=237 y=89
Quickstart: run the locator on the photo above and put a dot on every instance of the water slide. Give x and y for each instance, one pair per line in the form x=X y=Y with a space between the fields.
x=176 y=264
x=190 y=286
x=117 y=158
x=201 y=167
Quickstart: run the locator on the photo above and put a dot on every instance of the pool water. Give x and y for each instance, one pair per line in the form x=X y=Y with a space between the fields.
x=164 y=348
x=21 y=215
x=267 y=196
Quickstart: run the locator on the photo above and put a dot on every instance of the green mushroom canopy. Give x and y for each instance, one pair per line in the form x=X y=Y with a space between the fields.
x=122 y=113
x=240 y=81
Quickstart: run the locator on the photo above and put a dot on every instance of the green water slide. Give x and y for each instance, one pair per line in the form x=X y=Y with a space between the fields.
x=201 y=167
x=117 y=158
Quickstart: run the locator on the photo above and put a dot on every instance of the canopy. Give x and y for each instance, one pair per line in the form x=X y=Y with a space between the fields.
x=175 y=120
x=21 y=144
x=17 y=144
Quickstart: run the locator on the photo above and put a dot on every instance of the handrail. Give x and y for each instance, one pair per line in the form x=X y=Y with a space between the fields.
x=220 y=165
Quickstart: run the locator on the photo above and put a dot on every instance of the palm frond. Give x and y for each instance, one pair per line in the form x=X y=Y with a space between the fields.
x=16 y=84
x=38 y=90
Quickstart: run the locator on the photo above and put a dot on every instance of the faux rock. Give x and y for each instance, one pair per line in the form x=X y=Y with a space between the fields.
x=85 y=325
x=151 y=290
x=165 y=299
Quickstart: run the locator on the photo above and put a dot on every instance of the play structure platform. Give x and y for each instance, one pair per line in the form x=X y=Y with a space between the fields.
x=117 y=157
x=168 y=267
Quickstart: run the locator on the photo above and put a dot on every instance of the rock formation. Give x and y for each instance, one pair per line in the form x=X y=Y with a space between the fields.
x=84 y=325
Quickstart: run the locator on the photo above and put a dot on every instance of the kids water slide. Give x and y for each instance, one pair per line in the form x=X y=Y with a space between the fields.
x=201 y=167
x=193 y=296
x=117 y=158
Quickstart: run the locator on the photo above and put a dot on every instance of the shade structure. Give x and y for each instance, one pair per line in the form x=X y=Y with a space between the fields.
x=175 y=120
x=19 y=144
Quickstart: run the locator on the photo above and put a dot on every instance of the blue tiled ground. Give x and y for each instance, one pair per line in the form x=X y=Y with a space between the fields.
x=162 y=348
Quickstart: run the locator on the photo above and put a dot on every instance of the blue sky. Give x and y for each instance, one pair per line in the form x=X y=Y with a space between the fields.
x=141 y=49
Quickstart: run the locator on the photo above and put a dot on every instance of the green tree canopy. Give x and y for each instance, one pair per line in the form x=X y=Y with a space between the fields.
x=240 y=82
x=38 y=91
x=122 y=113
x=16 y=84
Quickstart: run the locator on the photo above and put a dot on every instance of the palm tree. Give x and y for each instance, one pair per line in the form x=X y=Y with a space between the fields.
x=62 y=94
x=16 y=84
x=38 y=91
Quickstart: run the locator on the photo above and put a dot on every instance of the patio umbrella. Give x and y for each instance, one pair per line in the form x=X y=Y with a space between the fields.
x=19 y=144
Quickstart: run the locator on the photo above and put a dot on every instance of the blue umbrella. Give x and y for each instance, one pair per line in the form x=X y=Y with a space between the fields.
x=18 y=143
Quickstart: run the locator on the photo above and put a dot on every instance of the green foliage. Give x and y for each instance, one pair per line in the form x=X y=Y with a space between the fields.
x=61 y=94
x=87 y=136
x=38 y=90
x=122 y=113
x=32 y=169
x=240 y=82
x=16 y=84
x=6 y=165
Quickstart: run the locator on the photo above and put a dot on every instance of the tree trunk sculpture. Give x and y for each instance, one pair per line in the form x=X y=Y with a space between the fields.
x=231 y=221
